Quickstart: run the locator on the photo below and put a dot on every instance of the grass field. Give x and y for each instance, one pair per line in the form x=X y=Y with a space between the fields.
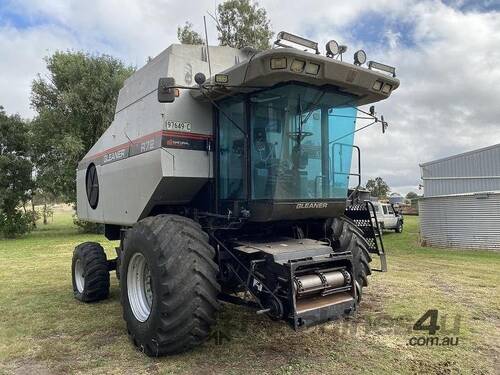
x=44 y=330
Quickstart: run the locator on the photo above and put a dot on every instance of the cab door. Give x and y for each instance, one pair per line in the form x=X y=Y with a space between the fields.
x=231 y=154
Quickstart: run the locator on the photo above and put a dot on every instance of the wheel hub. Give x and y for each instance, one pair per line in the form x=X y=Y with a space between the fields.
x=139 y=287
x=79 y=276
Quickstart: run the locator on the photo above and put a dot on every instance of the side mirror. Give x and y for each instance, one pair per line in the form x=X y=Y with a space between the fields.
x=166 y=90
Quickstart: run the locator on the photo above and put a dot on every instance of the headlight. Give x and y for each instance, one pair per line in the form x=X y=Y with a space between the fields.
x=312 y=68
x=386 y=89
x=297 y=66
x=221 y=79
x=377 y=85
x=278 y=63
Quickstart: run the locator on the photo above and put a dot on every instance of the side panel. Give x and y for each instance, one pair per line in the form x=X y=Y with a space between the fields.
x=125 y=187
x=128 y=185
x=145 y=157
x=131 y=187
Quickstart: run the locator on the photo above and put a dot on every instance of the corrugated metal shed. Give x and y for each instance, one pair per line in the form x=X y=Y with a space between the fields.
x=461 y=204
x=473 y=171
x=463 y=221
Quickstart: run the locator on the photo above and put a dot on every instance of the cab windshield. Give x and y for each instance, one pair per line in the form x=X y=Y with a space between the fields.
x=300 y=144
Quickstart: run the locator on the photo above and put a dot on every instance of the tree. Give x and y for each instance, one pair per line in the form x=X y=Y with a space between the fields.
x=378 y=187
x=411 y=195
x=75 y=104
x=241 y=24
x=187 y=35
x=16 y=180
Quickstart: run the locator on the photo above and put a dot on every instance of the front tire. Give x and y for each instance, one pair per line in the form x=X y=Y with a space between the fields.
x=90 y=273
x=168 y=284
x=346 y=236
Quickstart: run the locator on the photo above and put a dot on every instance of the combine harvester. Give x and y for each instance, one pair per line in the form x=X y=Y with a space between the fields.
x=235 y=191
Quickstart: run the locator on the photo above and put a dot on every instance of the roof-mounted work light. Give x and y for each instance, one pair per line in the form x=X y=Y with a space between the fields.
x=333 y=49
x=283 y=35
x=382 y=67
x=360 y=57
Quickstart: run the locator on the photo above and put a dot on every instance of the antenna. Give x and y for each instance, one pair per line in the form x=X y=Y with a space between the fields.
x=208 y=48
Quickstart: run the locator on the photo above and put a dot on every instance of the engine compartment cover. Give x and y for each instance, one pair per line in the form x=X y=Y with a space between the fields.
x=285 y=249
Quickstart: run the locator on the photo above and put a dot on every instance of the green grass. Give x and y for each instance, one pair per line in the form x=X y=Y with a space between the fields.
x=44 y=330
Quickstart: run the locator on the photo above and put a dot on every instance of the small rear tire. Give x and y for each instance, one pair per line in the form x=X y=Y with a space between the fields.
x=90 y=273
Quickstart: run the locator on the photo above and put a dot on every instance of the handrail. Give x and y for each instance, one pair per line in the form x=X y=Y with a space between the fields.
x=345 y=173
x=383 y=261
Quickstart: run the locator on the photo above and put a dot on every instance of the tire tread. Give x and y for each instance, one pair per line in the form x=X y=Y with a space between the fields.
x=189 y=284
x=96 y=272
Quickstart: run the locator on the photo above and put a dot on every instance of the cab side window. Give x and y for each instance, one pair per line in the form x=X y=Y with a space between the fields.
x=385 y=209
x=391 y=211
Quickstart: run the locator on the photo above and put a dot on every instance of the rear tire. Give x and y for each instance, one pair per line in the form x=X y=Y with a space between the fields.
x=169 y=284
x=346 y=236
x=90 y=273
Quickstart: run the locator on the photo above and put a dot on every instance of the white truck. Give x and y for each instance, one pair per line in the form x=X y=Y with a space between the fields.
x=388 y=217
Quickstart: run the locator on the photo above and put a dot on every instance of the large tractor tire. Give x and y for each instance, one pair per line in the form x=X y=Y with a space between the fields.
x=90 y=273
x=168 y=284
x=346 y=236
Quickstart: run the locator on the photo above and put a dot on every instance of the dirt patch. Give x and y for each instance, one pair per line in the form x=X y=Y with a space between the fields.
x=29 y=367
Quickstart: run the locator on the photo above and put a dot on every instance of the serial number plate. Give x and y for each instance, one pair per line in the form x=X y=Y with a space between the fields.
x=181 y=126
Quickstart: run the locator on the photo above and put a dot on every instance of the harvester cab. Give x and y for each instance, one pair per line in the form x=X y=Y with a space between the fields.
x=236 y=189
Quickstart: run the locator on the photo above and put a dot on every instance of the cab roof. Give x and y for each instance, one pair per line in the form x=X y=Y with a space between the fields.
x=279 y=65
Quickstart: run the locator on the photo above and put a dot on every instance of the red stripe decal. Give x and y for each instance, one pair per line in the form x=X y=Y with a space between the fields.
x=147 y=137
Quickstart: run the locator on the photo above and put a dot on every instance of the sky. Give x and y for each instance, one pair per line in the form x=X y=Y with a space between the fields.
x=446 y=55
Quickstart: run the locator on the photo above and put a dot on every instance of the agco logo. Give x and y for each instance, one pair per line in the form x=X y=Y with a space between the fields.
x=311 y=205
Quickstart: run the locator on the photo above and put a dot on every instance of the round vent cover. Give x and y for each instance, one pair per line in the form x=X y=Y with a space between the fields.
x=92 y=184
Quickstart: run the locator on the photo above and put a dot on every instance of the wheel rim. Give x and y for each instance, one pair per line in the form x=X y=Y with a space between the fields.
x=139 y=288
x=79 y=277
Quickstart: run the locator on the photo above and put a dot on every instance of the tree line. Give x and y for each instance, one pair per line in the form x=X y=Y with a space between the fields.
x=380 y=189
x=74 y=104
